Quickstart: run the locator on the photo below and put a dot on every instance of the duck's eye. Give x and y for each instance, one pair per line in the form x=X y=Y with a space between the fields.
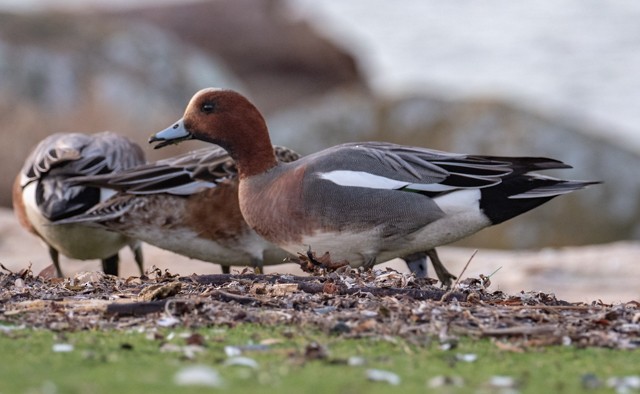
x=207 y=108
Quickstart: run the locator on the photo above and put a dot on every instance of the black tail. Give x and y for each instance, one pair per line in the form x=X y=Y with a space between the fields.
x=523 y=165
x=519 y=194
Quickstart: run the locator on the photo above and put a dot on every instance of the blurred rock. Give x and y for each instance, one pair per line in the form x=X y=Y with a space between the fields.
x=601 y=213
x=279 y=57
x=133 y=73
x=61 y=73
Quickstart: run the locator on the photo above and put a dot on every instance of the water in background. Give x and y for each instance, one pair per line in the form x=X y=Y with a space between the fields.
x=576 y=58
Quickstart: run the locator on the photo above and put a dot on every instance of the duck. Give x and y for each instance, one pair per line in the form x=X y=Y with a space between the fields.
x=364 y=202
x=187 y=204
x=41 y=195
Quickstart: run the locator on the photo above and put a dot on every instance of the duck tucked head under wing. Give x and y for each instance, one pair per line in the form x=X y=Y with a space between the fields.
x=60 y=157
x=42 y=194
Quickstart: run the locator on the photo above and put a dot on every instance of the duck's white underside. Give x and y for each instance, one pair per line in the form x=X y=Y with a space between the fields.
x=187 y=242
x=463 y=217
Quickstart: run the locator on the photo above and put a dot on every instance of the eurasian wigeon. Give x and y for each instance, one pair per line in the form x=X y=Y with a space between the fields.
x=41 y=195
x=187 y=204
x=363 y=202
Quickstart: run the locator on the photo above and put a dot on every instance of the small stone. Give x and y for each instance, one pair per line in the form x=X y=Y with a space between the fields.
x=378 y=375
x=62 y=347
x=468 y=358
x=591 y=381
x=367 y=313
x=168 y=321
x=198 y=375
x=18 y=283
x=502 y=382
x=232 y=351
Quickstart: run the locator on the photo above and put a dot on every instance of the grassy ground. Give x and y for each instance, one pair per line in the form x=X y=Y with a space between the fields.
x=290 y=362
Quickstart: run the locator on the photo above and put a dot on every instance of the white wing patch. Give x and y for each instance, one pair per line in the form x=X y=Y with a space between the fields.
x=106 y=194
x=191 y=188
x=361 y=179
x=372 y=181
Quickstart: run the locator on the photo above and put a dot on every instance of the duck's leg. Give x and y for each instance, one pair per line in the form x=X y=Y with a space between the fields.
x=137 y=256
x=55 y=258
x=369 y=262
x=417 y=264
x=258 y=265
x=445 y=277
x=110 y=265
x=225 y=269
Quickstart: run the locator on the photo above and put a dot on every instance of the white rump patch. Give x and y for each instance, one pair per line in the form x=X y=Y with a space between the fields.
x=459 y=201
x=372 y=181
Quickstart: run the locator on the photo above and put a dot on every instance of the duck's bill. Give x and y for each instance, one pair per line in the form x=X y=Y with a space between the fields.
x=171 y=135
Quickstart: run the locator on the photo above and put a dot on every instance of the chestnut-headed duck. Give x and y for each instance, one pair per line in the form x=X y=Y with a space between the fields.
x=187 y=204
x=364 y=202
x=42 y=196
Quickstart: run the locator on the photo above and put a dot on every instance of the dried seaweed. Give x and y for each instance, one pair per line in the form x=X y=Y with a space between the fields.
x=346 y=302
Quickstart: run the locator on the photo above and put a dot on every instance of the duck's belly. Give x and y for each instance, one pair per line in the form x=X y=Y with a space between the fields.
x=237 y=251
x=81 y=242
x=363 y=246
x=355 y=247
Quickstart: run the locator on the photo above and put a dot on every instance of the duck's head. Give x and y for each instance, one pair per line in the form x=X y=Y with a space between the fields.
x=220 y=116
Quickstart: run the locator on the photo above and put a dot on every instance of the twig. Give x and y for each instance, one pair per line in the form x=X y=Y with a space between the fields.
x=494 y=272
x=135 y=308
x=222 y=279
x=520 y=330
x=450 y=292
x=553 y=307
x=228 y=297
x=464 y=269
